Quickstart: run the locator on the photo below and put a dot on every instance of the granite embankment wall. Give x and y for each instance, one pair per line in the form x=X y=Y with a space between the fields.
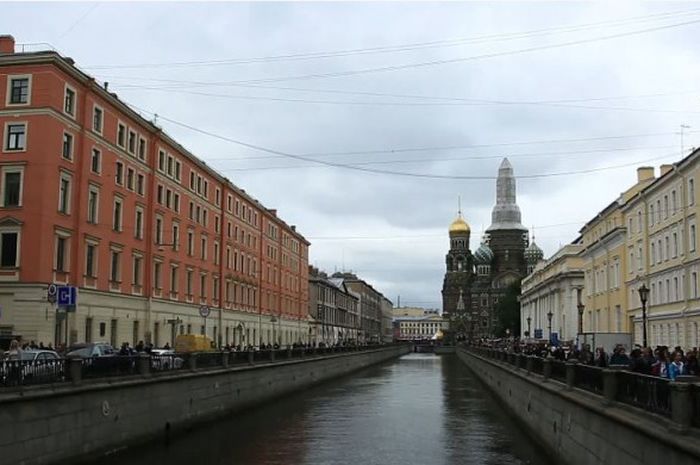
x=66 y=424
x=580 y=428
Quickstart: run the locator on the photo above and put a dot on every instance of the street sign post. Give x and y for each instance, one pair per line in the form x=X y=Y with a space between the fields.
x=67 y=297
x=204 y=311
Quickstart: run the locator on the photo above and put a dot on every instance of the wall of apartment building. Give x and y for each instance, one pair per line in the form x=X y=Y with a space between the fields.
x=662 y=241
x=144 y=223
x=553 y=287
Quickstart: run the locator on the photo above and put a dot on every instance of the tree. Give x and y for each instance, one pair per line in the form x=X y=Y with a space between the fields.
x=508 y=312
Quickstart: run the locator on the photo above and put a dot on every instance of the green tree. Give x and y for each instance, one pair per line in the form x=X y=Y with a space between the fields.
x=508 y=312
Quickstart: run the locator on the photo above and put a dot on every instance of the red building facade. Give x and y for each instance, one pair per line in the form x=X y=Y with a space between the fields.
x=95 y=196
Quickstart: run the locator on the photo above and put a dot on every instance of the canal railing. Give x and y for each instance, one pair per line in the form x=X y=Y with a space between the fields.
x=678 y=401
x=76 y=370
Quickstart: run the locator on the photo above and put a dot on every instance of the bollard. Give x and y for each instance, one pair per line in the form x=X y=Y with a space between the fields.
x=529 y=362
x=546 y=369
x=570 y=374
x=681 y=406
x=225 y=358
x=143 y=364
x=192 y=361
x=251 y=357
x=75 y=370
x=609 y=386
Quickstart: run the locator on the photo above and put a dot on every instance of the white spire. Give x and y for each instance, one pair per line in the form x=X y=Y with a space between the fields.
x=506 y=213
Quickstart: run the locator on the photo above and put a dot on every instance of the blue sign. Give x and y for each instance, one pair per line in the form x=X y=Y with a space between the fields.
x=67 y=296
x=538 y=334
x=554 y=339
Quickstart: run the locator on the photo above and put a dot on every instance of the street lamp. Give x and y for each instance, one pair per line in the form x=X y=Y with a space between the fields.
x=549 y=320
x=643 y=295
x=529 y=321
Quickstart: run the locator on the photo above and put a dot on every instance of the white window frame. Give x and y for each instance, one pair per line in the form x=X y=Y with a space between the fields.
x=126 y=135
x=66 y=88
x=129 y=133
x=141 y=156
x=94 y=244
x=138 y=228
x=8 y=93
x=96 y=107
x=6 y=135
x=66 y=252
x=11 y=169
x=68 y=177
x=93 y=189
x=71 y=151
x=99 y=160
x=12 y=230
x=120 y=201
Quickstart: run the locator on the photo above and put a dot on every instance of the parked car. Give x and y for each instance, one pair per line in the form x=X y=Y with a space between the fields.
x=34 y=366
x=165 y=359
x=91 y=349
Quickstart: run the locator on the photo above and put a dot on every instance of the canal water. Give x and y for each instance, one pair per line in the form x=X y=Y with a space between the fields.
x=419 y=409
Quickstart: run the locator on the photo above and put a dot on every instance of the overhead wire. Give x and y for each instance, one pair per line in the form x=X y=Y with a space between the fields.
x=484 y=38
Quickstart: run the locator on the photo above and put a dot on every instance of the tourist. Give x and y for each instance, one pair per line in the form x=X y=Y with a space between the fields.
x=677 y=367
x=586 y=356
x=619 y=356
x=601 y=358
x=691 y=366
x=15 y=352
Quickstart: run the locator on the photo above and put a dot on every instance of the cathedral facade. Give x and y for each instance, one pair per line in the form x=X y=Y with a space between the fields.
x=474 y=282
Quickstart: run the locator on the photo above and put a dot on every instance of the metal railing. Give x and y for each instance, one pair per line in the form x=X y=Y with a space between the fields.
x=677 y=401
x=14 y=373
x=29 y=372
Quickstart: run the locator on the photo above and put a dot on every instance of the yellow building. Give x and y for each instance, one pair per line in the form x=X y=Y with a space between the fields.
x=553 y=287
x=661 y=250
x=605 y=261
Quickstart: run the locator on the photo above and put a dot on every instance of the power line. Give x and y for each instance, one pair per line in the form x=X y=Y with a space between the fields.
x=406 y=47
x=458 y=103
x=388 y=172
x=466 y=59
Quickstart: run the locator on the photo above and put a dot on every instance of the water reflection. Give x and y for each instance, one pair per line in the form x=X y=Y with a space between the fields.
x=420 y=409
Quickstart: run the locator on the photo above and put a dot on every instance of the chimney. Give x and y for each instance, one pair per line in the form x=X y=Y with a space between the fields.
x=106 y=85
x=645 y=173
x=273 y=211
x=665 y=169
x=7 y=45
x=294 y=228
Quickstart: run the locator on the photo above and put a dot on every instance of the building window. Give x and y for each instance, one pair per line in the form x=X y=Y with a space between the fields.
x=651 y=215
x=161 y=160
x=117 y=215
x=136 y=278
x=652 y=260
x=93 y=202
x=157 y=268
x=114 y=271
x=176 y=203
x=189 y=282
x=159 y=194
x=142 y=148
x=90 y=257
x=12 y=187
x=61 y=253
x=666 y=206
x=692 y=238
x=97 y=119
x=96 y=161
x=178 y=170
x=69 y=103
x=130 y=179
x=140 y=183
x=138 y=224
x=132 y=142
x=673 y=202
x=67 y=151
x=170 y=166
x=694 y=283
x=9 y=249
x=64 y=194
x=19 y=90
x=691 y=191
x=119 y=175
x=168 y=198
x=190 y=243
x=159 y=230
x=16 y=137
x=176 y=236
x=203 y=286
x=173 y=278
x=203 y=249
x=121 y=135
x=675 y=245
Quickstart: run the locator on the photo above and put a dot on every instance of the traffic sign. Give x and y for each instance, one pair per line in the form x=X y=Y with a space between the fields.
x=538 y=334
x=51 y=293
x=204 y=311
x=67 y=295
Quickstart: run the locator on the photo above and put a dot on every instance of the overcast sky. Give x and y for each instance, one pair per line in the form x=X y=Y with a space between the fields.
x=587 y=86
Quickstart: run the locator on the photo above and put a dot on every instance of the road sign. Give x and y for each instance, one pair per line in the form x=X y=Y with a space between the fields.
x=204 y=311
x=51 y=293
x=67 y=295
x=538 y=334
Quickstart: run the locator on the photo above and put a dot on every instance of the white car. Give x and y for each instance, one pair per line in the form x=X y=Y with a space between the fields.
x=165 y=359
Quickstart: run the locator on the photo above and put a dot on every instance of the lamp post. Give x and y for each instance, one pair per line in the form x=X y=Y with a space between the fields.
x=549 y=324
x=529 y=321
x=643 y=295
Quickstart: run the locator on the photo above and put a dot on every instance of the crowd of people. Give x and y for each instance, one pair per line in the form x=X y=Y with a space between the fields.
x=660 y=361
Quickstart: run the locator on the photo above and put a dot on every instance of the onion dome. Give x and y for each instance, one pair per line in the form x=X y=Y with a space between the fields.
x=533 y=253
x=483 y=255
x=459 y=226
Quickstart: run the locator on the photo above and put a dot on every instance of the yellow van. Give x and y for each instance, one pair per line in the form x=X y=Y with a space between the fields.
x=192 y=343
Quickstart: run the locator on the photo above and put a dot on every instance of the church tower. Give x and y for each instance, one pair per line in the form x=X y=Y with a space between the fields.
x=507 y=237
x=459 y=269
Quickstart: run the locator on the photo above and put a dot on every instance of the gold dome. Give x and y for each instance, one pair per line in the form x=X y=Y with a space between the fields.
x=459 y=225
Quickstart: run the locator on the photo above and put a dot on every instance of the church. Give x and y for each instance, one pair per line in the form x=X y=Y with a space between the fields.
x=474 y=282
